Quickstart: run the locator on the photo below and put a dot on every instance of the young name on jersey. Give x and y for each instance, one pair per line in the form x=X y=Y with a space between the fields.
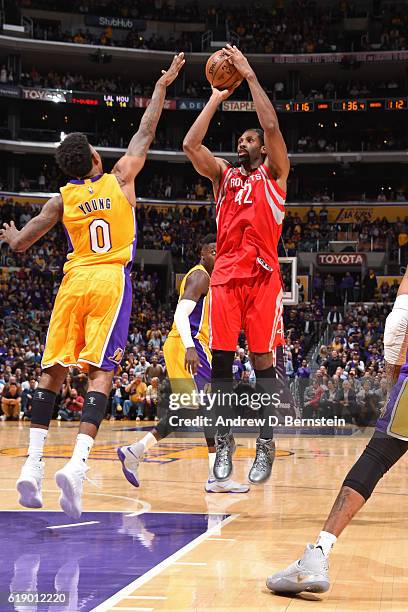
x=95 y=204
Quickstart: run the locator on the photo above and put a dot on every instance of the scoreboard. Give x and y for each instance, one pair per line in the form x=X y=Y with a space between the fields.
x=129 y=100
x=348 y=105
x=112 y=100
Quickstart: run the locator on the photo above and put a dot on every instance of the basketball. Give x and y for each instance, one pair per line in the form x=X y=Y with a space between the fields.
x=220 y=73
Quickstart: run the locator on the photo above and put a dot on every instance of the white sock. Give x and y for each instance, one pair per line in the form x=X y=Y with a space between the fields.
x=211 y=461
x=326 y=541
x=148 y=441
x=37 y=441
x=83 y=446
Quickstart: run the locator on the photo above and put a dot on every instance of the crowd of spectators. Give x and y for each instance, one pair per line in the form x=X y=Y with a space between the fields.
x=25 y=308
x=330 y=141
x=349 y=379
x=299 y=26
x=179 y=229
x=137 y=9
x=315 y=233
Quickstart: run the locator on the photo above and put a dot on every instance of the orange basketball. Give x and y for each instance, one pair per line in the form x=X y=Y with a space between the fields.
x=220 y=73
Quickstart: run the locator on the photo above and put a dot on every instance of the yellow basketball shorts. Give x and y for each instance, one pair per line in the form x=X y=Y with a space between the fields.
x=180 y=379
x=90 y=321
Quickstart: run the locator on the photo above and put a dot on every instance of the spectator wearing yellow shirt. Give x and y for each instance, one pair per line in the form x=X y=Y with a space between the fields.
x=200 y=190
x=403 y=244
x=136 y=403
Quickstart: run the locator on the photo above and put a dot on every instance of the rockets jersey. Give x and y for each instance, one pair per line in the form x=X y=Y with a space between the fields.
x=199 y=318
x=99 y=221
x=249 y=213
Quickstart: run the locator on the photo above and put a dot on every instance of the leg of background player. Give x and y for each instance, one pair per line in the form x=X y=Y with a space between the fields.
x=131 y=456
x=32 y=472
x=71 y=477
x=311 y=571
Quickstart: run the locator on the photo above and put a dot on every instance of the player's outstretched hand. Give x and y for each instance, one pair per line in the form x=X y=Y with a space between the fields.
x=192 y=361
x=238 y=59
x=221 y=94
x=168 y=76
x=9 y=234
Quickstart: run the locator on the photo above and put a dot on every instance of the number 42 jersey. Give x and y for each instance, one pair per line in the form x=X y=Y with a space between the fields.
x=249 y=211
x=99 y=222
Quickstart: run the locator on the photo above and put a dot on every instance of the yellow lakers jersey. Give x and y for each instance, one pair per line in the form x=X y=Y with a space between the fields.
x=199 y=318
x=99 y=221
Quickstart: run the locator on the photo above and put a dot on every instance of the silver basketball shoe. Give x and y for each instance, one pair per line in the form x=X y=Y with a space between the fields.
x=310 y=573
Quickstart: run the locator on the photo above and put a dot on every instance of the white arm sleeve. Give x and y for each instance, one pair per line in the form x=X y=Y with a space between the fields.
x=396 y=332
x=183 y=311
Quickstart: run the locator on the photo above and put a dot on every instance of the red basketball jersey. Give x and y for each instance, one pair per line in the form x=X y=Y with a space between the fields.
x=249 y=211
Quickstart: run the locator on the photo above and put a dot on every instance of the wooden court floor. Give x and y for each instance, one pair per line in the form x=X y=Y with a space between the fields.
x=225 y=569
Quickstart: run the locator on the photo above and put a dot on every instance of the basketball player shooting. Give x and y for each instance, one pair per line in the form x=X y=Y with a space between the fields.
x=246 y=286
x=90 y=320
x=387 y=445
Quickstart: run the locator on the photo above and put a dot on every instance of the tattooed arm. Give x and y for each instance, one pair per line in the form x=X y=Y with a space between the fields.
x=21 y=240
x=129 y=166
x=392 y=373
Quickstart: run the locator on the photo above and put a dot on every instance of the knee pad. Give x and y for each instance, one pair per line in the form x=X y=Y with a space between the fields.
x=94 y=409
x=42 y=406
x=378 y=457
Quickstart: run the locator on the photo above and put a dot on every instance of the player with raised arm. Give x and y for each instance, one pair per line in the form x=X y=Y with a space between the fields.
x=188 y=364
x=387 y=445
x=90 y=320
x=246 y=286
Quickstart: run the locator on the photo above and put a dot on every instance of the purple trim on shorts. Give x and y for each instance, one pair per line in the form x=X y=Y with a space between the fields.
x=384 y=421
x=134 y=243
x=68 y=237
x=203 y=376
x=119 y=334
x=404 y=369
x=195 y=317
x=93 y=179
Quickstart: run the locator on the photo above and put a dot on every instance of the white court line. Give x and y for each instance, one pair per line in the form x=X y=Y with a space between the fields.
x=187 y=563
x=157 y=569
x=146 y=597
x=140 y=609
x=73 y=525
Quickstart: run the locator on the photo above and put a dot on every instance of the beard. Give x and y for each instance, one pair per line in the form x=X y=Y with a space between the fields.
x=244 y=158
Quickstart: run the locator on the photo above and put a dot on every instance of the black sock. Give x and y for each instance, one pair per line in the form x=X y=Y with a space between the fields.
x=221 y=386
x=267 y=383
x=42 y=407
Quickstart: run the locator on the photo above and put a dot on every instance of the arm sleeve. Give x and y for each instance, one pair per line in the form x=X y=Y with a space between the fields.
x=181 y=319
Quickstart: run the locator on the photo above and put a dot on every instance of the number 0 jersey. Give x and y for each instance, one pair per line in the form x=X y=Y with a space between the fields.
x=99 y=221
x=249 y=210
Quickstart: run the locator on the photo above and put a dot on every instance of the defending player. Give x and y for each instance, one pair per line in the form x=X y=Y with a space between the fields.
x=188 y=363
x=388 y=444
x=90 y=320
x=246 y=287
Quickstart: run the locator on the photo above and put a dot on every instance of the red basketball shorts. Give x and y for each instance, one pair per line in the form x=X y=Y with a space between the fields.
x=252 y=304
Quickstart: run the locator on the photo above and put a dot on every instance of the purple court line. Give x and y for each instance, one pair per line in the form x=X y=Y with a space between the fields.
x=86 y=561
x=136 y=584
